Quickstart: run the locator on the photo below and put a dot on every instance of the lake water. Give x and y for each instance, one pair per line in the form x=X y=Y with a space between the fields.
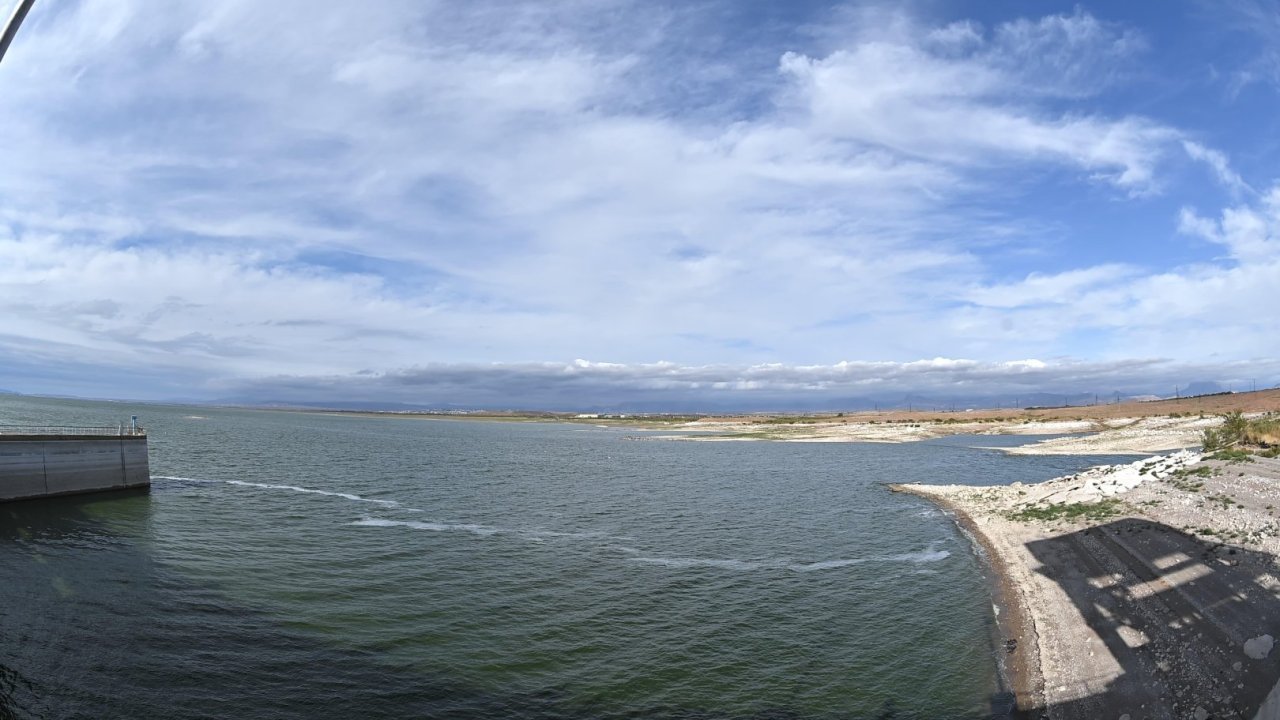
x=289 y=565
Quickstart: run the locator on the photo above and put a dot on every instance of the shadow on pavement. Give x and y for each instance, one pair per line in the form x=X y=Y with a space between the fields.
x=1171 y=615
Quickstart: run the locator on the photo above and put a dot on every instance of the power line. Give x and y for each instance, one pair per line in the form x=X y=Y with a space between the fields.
x=11 y=27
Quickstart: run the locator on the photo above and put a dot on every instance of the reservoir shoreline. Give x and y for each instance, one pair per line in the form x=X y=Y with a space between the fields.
x=1019 y=666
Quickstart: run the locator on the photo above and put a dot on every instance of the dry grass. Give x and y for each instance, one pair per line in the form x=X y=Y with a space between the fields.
x=1208 y=405
x=1264 y=431
x=1236 y=429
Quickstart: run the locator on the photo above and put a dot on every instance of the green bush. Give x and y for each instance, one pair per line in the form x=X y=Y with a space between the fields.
x=1236 y=430
x=1230 y=432
x=1232 y=456
x=1089 y=511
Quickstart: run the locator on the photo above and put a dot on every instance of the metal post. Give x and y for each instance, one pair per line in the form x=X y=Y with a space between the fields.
x=11 y=27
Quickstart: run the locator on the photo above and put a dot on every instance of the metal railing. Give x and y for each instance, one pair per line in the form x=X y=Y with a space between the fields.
x=120 y=430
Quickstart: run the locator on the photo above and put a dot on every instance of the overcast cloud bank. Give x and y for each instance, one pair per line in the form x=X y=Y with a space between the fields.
x=584 y=385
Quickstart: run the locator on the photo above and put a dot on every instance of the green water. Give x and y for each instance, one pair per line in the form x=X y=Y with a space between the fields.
x=315 y=566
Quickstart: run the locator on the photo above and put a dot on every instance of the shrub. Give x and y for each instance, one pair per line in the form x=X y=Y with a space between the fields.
x=1236 y=430
x=1232 y=456
x=1089 y=511
x=1231 y=432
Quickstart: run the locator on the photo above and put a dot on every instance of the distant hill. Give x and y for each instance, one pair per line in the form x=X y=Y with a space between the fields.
x=1202 y=387
x=337 y=405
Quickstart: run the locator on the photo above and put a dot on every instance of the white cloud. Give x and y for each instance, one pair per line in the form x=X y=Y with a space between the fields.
x=1250 y=233
x=1057 y=289
x=953 y=95
x=1203 y=311
x=239 y=189
x=1218 y=163
x=1065 y=55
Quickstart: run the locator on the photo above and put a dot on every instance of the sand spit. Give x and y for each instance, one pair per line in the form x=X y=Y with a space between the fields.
x=1099 y=436
x=1146 y=590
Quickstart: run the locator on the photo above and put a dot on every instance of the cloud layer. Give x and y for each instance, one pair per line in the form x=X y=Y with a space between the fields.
x=232 y=193
x=843 y=386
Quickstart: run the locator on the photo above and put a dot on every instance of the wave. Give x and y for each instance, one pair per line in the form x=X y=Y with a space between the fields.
x=681 y=563
x=929 y=555
x=537 y=536
x=434 y=527
x=290 y=488
x=924 y=556
x=312 y=491
x=180 y=478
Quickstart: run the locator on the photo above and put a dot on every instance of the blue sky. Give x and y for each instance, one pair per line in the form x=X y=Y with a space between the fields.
x=434 y=202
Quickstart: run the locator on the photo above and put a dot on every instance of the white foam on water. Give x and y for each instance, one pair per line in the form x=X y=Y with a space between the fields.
x=681 y=563
x=533 y=536
x=929 y=555
x=924 y=556
x=183 y=479
x=290 y=488
x=313 y=491
x=434 y=527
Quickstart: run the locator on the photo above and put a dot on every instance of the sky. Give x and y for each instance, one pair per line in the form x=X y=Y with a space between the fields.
x=608 y=203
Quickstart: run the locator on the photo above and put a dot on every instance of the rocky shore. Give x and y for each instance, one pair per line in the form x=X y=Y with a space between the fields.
x=1144 y=590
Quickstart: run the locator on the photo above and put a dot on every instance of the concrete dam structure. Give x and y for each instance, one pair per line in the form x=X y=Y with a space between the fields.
x=40 y=462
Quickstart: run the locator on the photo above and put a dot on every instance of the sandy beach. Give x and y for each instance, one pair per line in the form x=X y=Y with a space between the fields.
x=1146 y=590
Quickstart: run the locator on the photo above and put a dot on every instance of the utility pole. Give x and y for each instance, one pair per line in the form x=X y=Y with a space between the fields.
x=11 y=27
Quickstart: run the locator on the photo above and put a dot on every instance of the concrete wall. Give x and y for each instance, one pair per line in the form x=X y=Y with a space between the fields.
x=46 y=465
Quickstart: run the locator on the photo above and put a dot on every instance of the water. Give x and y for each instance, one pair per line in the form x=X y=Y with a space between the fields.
x=311 y=566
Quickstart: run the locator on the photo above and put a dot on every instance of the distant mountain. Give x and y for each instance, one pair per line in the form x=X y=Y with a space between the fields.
x=337 y=405
x=1202 y=387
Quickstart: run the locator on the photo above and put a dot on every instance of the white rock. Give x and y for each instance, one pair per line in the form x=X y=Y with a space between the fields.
x=1202 y=714
x=1259 y=647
